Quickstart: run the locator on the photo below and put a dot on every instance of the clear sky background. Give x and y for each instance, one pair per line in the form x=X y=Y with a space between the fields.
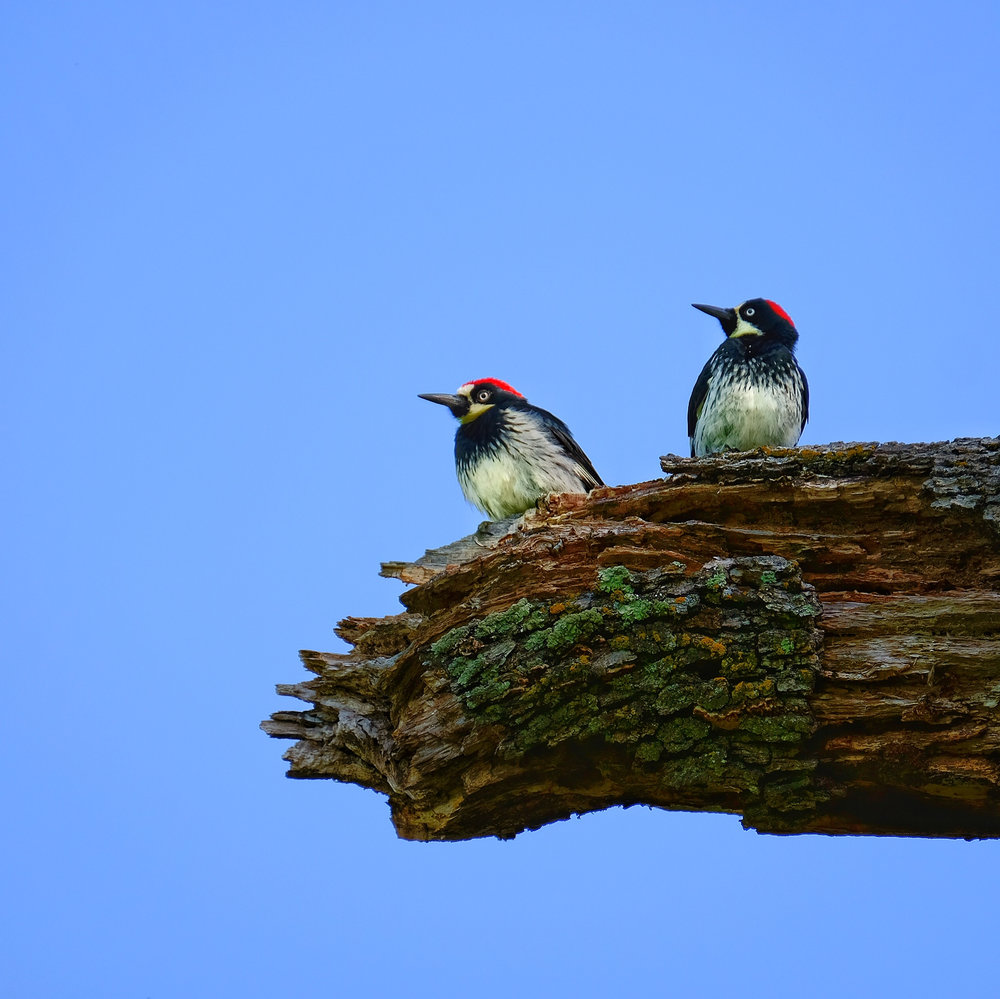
x=238 y=239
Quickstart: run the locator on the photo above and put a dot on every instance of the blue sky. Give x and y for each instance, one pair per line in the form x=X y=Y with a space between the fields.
x=238 y=240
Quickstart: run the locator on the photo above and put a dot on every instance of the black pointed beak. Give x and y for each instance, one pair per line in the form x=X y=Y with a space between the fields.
x=725 y=316
x=458 y=404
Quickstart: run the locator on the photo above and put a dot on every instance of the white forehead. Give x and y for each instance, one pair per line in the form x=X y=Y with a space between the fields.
x=465 y=389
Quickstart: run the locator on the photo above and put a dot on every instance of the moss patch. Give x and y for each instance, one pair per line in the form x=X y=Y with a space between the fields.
x=699 y=677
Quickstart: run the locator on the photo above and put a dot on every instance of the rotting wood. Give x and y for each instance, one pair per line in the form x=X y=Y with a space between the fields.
x=807 y=637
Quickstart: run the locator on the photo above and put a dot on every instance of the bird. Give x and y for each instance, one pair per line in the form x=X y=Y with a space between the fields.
x=509 y=453
x=752 y=392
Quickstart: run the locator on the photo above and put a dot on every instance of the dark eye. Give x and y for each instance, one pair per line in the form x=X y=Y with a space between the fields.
x=748 y=311
x=483 y=395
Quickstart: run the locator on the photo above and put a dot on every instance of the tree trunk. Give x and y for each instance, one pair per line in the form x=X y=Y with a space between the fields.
x=807 y=637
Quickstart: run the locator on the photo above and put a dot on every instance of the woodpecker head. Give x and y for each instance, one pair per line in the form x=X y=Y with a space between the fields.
x=474 y=398
x=755 y=317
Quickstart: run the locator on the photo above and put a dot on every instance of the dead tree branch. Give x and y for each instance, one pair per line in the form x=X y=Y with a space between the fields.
x=807 y=637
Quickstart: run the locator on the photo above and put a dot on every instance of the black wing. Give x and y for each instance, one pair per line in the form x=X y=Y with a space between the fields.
x=561 y=433
x=698 y=400
x=805 y=399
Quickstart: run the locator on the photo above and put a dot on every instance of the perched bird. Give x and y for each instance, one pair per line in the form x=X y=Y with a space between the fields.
x=751 y=392
x=509 y=453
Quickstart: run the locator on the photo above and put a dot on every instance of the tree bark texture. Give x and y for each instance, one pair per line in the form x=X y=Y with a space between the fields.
x=807 y=637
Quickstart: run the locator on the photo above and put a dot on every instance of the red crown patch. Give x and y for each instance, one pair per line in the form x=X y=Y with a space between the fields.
x=499 y=384
x=781 y=312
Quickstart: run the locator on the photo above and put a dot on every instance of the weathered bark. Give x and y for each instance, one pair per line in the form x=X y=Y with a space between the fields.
x=808 y=637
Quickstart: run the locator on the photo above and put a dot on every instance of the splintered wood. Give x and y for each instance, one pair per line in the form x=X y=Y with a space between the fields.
x=807 y=637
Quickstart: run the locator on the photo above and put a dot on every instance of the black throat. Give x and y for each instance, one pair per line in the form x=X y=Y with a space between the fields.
x=750 y=347
x=479 y=437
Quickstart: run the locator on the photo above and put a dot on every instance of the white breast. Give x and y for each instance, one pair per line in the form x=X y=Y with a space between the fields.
x=742 y=414
x=527 y=466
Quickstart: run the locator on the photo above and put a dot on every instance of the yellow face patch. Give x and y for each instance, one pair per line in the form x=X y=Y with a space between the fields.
x=743 y=328
x=476 y=409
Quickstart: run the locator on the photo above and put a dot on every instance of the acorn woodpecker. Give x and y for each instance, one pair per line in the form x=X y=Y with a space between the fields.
x=509 y=453
x=751 y=392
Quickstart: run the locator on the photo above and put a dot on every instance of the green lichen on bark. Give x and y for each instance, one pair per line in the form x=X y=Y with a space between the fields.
x=700 y=677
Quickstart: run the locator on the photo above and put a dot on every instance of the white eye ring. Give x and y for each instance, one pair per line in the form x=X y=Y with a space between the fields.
x=748 y=312
x=484 y=394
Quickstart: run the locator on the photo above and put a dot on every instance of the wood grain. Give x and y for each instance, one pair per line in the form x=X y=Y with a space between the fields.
x=809 y=638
